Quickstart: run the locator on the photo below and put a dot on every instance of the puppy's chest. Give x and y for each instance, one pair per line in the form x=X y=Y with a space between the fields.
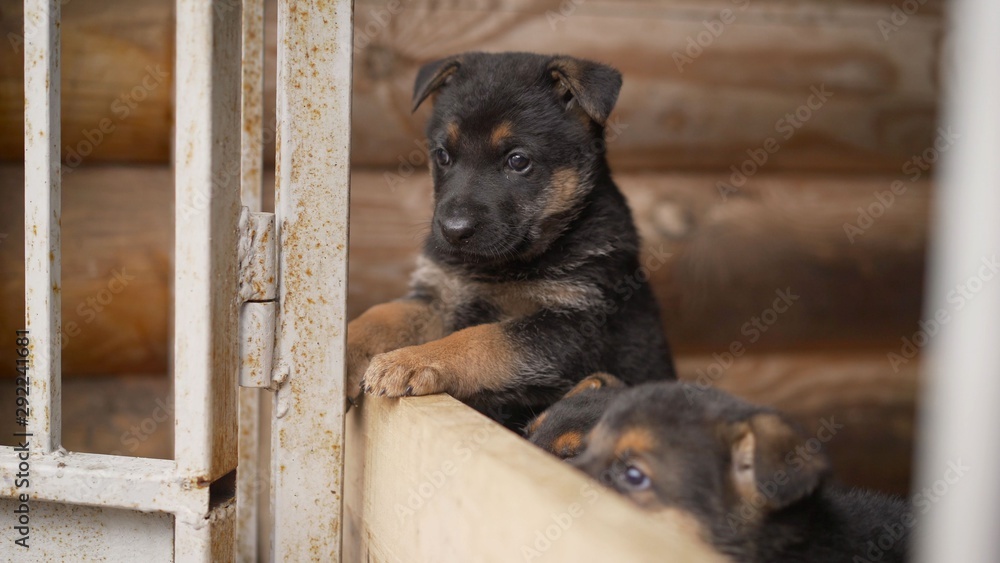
x=465 y=302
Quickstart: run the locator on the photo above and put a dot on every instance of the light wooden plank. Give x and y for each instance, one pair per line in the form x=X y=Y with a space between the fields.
x=311 y=203
x=431 y=480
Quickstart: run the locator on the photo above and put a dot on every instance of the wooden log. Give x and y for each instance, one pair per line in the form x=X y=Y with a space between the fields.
x=705 y=115
x=117 y=81
x=858 y=406
x=696 y=95
x=117 y=247
x=715 y=265
x=723 y=262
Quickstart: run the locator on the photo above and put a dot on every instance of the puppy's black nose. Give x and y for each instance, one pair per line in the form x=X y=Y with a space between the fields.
x=457 y=229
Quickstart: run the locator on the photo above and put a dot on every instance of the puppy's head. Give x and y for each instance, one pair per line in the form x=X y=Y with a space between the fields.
x=562 y=428
x=727 y=462
x=515 y=140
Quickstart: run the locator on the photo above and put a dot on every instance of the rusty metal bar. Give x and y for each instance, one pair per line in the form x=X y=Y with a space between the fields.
x=312 y=195
x=248 y=489
x=148 y=485
x=207 y=163
x=41 y=225
x=960 y=453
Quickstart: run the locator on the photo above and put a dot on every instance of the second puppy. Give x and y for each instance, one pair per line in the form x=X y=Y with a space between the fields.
x=740 y=471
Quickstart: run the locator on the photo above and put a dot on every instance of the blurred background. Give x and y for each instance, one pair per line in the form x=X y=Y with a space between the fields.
x=776 y=155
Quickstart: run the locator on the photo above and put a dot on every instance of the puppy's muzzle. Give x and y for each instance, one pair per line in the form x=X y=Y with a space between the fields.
x=457 y=230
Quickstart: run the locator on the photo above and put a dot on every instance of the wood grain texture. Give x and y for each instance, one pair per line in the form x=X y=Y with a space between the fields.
x=729 y=99
x=732 y=95
x=117 y=254
x=424 y=459
x=117 y=81
x=715 y=265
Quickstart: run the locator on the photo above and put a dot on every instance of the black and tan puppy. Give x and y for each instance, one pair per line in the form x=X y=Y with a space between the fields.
x=759 y=493
x=561 y=430
x=530 y=274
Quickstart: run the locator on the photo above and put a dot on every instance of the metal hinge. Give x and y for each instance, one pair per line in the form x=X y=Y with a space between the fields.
x=258 y=294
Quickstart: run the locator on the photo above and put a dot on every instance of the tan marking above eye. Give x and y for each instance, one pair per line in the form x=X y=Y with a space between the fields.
x=452 y=129
x=636 y=440
x=568 y=443
x=502 y=131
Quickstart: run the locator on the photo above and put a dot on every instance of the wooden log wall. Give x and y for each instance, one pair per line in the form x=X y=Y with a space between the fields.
x=698 y=93
x=716 y=265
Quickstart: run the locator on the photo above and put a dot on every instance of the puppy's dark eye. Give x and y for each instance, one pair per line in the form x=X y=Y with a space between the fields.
x=634 y=479
x=442 y=157
x=518 y=162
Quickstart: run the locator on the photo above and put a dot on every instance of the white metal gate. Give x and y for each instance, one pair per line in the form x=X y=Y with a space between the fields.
x=228 y=288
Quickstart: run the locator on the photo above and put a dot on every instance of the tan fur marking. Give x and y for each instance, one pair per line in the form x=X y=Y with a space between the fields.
x=463 y=363
x=568 y=444
x=452 y=129
x=743 y=474
x=386 y=327
x=513 y=299
x=636 y=440
x=596 y=380
x=565 y=192
x=502 y=131
x=537 y=423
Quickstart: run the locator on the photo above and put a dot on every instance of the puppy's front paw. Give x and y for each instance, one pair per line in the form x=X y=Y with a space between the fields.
x=358 y=360
x=407 y=371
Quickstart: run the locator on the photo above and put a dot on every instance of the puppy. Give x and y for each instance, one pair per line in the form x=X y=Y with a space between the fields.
x=561 y=429
x=759 y=493
x=530 y=272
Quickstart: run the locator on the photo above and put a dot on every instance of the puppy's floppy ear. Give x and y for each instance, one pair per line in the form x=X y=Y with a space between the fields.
x=595 y=380
x=593 y=86
x=432 y=76
x=770 y=459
